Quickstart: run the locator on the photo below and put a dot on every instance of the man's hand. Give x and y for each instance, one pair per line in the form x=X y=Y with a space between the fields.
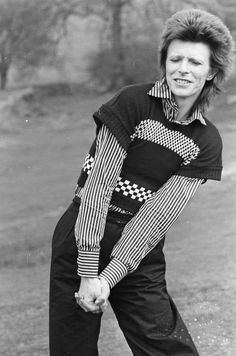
x=101 y=301
x=93 y=294
x=90 y=289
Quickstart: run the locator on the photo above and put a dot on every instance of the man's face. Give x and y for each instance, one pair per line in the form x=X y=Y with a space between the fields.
x=187 y=69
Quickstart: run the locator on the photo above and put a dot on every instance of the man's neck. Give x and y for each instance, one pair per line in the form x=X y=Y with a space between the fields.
x=184 y=108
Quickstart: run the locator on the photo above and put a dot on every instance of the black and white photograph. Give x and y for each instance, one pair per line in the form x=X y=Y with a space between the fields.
x=117 y=178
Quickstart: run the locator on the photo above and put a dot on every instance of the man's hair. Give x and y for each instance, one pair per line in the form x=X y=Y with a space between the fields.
x=197 y=25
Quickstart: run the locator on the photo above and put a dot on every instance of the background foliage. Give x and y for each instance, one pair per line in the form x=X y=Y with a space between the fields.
x=125 y=32
x=52 y=52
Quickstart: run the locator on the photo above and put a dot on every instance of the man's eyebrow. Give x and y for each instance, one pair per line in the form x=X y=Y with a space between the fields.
x=191 y=58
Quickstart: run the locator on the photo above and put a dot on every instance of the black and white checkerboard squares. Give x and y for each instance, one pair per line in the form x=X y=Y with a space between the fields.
x=156 y=132
x=132 y=190
x=88 y=163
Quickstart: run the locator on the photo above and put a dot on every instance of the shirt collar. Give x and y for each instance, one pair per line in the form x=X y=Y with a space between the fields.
x=162 y=90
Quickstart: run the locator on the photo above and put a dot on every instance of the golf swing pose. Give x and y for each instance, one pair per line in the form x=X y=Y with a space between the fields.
x=154 y=147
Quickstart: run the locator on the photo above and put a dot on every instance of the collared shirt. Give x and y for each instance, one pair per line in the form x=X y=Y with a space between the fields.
x=170 y=108
x=145 y=229
x=103 y=169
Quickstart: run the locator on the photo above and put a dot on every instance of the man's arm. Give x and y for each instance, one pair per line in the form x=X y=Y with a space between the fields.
x=90 y=224
x=149 y=226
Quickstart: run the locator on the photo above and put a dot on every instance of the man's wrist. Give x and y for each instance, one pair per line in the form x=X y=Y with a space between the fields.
x=114 y=272
x=88 y=262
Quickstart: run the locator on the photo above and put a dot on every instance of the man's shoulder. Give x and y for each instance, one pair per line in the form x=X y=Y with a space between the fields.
x=211 y=128
x=210 y=135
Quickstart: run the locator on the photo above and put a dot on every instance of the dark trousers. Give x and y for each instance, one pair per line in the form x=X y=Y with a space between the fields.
x=145 y=312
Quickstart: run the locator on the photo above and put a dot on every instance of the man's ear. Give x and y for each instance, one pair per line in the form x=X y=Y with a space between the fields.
x=211 y=75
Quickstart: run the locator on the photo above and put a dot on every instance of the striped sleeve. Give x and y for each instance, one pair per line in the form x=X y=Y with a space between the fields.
x=95 y=200
x=143 y=232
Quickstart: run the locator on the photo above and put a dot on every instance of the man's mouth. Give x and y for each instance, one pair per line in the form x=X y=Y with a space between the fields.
x=182 y=81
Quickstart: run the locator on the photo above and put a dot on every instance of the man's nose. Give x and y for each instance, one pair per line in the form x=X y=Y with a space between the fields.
x=183 y=67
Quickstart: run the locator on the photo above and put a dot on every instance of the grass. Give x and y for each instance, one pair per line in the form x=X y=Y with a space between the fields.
x=43 y=143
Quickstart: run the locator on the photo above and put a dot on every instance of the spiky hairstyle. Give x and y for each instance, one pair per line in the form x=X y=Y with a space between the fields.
x=197 y=25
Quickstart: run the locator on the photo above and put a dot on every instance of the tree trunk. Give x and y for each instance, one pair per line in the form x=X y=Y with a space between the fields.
x=5 y=62
x=3 y=79
x=117 y=79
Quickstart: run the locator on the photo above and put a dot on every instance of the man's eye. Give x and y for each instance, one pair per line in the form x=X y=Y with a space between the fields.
x=195 y=62
x=174 y=60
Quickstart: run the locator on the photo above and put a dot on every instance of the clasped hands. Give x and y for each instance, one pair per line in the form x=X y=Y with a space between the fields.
x=93 y=294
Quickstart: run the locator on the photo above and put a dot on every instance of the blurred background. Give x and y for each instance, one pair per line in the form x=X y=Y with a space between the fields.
x=102 y=44
x=59 y=61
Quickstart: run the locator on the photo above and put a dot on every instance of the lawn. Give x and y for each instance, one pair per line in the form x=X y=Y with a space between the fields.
x=43 y=142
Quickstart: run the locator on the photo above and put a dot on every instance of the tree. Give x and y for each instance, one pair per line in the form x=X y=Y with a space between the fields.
x=116 y=9
x=229 y=14
x=131 y=27
x=30 y=31
x=111 y=12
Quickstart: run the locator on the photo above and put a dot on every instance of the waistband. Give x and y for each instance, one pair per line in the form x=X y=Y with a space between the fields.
x=119 y=218
x=111 y=215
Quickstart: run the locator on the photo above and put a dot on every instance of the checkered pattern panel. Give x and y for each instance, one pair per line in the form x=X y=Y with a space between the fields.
x=132 y=190
x=88 y=164
x=156 y=132
x=124 y=186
